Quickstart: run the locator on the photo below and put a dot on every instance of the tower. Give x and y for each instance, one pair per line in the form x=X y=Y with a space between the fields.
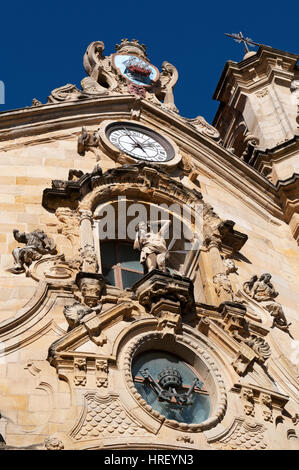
x=148 y=261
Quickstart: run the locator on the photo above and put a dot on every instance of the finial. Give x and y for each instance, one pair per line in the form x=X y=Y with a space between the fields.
x=241 y=39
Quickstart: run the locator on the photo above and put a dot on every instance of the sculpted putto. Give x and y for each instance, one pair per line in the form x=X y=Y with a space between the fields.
x=152 y=246
x=37 y=245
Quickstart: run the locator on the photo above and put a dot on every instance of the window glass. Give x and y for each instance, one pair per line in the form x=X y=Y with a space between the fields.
x=120 y=264
x=129 y=278
x=156 y=362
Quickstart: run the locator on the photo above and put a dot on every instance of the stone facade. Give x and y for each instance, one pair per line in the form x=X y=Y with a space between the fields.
x=226 y=305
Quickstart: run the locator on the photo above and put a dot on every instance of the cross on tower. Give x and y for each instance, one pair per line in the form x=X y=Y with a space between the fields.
x=240 y=38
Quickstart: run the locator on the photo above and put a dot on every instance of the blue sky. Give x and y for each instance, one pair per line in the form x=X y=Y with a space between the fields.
x=42 y=44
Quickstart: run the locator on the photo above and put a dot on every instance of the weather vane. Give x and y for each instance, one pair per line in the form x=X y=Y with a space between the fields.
x=240 y=38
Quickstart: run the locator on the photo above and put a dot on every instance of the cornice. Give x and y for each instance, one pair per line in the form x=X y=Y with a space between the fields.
x=243 y=65
x=48 y=118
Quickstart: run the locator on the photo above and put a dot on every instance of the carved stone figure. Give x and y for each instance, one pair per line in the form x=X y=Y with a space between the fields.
x=152 y=246
x=262 y=290
x=37 y=245
x=90 y=288
x=87 y=141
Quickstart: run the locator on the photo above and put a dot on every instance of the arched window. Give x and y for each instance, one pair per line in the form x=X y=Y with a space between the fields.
x=120 y=263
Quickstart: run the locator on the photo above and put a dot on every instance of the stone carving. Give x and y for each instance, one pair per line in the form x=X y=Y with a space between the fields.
x=266 y=402
x=37 y=244
x=87 y=141
x=160 y=292
x=262 y=290
x=68 y=225
x=244 y=436
x=64 y=93
x=168 y=323
x=230 y=266
x=248 y=399
x=222 y=285
x=202 y=126
x=89 y=258
x=259 y=346
x=88 y=297
x=36 y=102
x=152 y=246
x=80 y=371
x=185 y=438
x=105 y=417
x=168 y=78
x=53 y=443
x=92 y=88
x=99 y=67
x=101 y=373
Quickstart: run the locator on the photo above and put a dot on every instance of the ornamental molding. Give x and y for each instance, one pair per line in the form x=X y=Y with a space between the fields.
x=105 y=418
x=139 y=343
x=150 y=182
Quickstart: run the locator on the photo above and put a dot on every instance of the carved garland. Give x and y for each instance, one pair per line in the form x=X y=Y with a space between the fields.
x=222 y=400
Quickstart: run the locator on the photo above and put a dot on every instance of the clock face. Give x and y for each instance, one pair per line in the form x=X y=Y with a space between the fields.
x=140 y=142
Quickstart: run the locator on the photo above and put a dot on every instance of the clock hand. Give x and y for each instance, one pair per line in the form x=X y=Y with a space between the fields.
x=137 y=144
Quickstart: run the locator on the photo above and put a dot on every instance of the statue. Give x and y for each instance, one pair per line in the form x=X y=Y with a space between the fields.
x=88 y=299
x=152 y=246
x=37 y=245
x=262 y=290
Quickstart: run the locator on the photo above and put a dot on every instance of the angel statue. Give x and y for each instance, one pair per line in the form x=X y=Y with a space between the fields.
x=37 y=245
x=152 y=246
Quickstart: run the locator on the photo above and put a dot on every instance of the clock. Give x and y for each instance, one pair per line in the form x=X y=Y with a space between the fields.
x=139 y=142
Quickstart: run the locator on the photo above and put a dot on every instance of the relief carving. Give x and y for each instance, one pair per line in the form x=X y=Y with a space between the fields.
x=266 y=402
x=80 y=371
x=222 y=285
x=53 y=443
x=105 y=417
x=37 y=244
x=68 y=224
x=244 y=436
x=101 y=373
x=248 y=401
x=202 y=126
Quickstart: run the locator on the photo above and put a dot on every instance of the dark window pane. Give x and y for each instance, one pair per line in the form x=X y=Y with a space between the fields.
x=128 y=257
x=129 y=278
x=108 y=253
x=108 y=274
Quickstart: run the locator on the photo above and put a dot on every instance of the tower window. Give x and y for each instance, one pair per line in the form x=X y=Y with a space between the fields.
x=120 y=264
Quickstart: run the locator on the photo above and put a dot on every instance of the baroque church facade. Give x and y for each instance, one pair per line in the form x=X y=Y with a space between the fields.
x=149 y=262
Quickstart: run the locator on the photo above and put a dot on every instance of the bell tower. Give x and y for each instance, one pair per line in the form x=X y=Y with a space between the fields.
x=258 y=118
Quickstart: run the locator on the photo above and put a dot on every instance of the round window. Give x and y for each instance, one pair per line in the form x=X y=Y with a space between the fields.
x=171 y=387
